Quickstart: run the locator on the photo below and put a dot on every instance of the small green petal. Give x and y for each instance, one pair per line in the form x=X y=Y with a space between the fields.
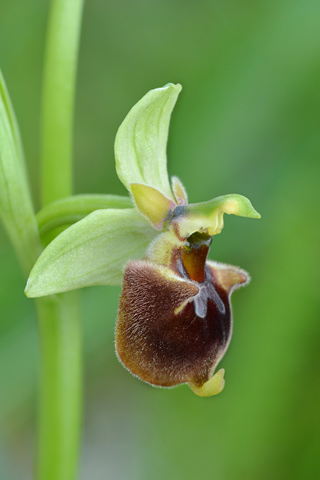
x=151 y=203
x=179 y=191
x=141 y=141
x=93 y=251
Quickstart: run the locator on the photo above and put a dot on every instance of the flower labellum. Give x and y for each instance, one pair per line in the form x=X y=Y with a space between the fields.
x=175 y=322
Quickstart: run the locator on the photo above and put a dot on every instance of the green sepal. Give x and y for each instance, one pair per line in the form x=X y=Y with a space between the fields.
x=141 y=141
x=93 y=251
x=16 y=208
x=69 y=210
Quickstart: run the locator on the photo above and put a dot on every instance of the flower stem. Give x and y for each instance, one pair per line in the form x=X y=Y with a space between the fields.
x=59 y=319
x=60 y=397
x=58 y=98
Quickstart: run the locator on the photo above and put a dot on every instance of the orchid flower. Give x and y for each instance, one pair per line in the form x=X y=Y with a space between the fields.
x=174 y=321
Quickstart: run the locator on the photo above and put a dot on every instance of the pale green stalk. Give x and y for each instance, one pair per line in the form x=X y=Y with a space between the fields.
x=60 y=404
x=58 y=98
x=59 y=320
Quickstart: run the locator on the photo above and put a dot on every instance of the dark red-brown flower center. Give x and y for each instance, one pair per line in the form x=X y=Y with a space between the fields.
x=174 y=322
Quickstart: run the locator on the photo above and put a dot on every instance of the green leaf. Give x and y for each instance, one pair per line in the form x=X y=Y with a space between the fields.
x=141 y=141
x=16 y=208
x=93 y=251
x=69 y=210
x=8 y=113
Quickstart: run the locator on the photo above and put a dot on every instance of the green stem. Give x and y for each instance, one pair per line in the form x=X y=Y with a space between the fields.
x=59 y=319
x=58 y=98
x=60 y=397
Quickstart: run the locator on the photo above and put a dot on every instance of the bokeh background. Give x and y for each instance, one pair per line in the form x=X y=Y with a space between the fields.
x=247 y=121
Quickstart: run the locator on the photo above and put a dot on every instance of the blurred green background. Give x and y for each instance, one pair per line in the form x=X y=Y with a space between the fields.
x=247 y=121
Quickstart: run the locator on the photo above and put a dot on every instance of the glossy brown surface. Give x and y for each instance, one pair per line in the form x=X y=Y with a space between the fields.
x=194 y=256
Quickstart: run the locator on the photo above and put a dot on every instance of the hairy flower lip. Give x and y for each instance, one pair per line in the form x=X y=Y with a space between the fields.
x=168 y=349
x=174 y=322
